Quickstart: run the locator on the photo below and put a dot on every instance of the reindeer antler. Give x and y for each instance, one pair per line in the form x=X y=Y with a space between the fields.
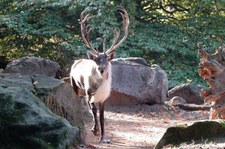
x=85 y=31
x=116 y=31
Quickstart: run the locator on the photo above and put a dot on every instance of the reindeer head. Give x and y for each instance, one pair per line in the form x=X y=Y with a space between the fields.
x=102 y=59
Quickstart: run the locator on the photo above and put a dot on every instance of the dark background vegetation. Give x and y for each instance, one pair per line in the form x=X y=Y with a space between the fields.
x=164 y=32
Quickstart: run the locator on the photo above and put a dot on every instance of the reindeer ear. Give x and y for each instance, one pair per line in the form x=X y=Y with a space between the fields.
x=91 y=56
x=111 y=56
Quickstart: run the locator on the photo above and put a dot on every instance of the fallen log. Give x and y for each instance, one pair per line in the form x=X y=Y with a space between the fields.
x=193 y=107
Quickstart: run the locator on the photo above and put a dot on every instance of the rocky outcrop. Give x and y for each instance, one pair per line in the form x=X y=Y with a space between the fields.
x=33 y=65
x=187 y=91
x=134 y=82
x=26 y=122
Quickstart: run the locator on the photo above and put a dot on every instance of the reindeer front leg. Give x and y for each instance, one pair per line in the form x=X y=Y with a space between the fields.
x=103 y=139
x=95 y=128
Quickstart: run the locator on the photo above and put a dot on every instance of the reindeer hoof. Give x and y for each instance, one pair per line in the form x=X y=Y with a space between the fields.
x=105 y=141
x=95 y=131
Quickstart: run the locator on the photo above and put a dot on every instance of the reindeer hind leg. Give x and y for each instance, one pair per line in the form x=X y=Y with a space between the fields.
x=74 y=85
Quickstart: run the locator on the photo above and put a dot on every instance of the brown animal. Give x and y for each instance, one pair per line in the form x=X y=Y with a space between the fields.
x=91 y=77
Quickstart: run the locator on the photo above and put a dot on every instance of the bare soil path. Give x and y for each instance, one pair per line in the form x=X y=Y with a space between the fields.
x=141 y=126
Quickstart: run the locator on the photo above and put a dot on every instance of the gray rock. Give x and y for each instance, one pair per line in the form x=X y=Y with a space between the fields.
x=134 y=83
x=63 y=101
x=188 y=92
x=137 y=60
x=177 y=100
x=26 y=122
x=33 y=65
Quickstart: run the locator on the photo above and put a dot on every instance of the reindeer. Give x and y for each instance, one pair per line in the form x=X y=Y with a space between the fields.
x=91 y=77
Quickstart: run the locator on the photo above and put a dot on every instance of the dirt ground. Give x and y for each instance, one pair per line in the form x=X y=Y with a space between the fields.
x=142 y=126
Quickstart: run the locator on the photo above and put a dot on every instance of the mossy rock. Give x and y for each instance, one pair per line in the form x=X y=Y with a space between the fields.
x=26 y=122
x=201 y=130
x=58 y=95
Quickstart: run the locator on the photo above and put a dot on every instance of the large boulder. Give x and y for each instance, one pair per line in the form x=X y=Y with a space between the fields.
x=187 y=91
x=134 y=82
x=60 y=98
x=26 y=121
x=33 y=65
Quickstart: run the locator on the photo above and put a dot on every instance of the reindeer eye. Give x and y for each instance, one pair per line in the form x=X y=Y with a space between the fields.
x=97 y=60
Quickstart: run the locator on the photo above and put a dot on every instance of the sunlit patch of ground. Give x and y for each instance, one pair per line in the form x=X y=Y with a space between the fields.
x=142 y=126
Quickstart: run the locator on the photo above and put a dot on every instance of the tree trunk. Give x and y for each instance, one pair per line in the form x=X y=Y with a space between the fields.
x=212 y=70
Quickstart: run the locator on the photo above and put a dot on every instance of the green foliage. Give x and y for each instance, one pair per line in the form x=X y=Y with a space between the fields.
x=167 y=33
x=39 y=28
